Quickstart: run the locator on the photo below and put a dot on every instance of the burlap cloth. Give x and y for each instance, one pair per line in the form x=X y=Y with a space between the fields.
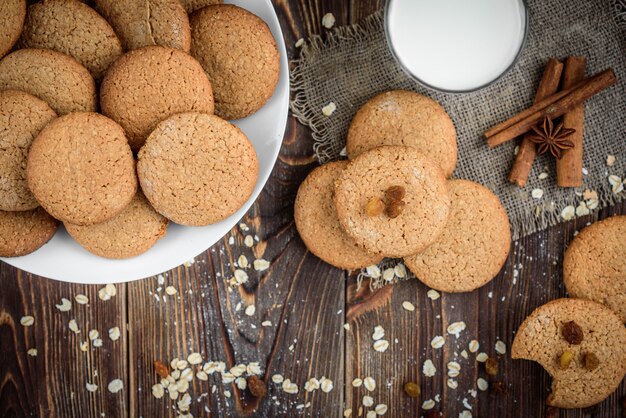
x=351 y=64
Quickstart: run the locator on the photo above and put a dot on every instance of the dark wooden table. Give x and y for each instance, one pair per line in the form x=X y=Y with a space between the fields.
x=307 y=301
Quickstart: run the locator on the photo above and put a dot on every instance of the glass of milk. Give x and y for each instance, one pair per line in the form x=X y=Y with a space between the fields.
x=456 y=46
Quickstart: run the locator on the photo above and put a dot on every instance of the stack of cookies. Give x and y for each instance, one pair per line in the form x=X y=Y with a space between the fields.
x=393 y=198
x=165 y=77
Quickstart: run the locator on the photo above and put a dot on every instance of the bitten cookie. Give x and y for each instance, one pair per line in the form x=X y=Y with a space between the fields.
x=401 y=117
x=317 y=223
x=473 y=246
x=13 y=13
x=392 y=201
x=130 y=233
x=581 y=344
x=594 y=266
x=22 y=116
x=197 y=169
x=239 y=54
x=193 y=5
x=55 y=78
x=81 y=169
x=141 y=23
x=75 y=29
x=23 y=232
x=149 y=84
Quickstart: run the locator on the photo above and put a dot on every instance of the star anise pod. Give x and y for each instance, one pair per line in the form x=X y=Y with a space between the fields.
x=549 y=138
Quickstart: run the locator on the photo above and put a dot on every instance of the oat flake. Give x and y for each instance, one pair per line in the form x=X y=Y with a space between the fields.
x=356 y=382
x=379 y=332
x=115 y=385
x=368 y=401
x=437 y=342
x=429 y=368
x=381 y=346
x=428 y=404
x=369 y=383
x=482 y=384
x=408 y=306
x=27 y=321
x=433 y=294
x=500 y=347
x=81 y=299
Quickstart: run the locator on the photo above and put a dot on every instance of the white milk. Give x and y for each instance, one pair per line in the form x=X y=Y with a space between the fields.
x=456 y=45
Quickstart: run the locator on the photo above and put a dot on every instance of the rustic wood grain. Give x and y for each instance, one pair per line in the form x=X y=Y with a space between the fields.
x=307 y=303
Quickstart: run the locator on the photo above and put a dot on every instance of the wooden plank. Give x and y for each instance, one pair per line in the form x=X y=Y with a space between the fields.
x=53 y=383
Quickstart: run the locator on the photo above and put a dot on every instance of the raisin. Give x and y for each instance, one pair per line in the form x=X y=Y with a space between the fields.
x=412 y=389
x=257 y=387
x=491 y=366
x=565 y=360
x=552 y=412
x=395 y=209
x=572 y=332
x=591 y=361
x=374 y=207
x=394 y=194
x=161 y=369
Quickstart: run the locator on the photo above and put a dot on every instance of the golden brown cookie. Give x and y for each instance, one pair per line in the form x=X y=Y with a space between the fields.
x=22 y=116
x=55 y=78
x=401 y=117
x=568 y=351
x=473 y=246
x=197 y=169
x=594 y=266
x=141 y=23
x=317 y=223
x=149 y=84
x=23 y=232
x=239 y=54
x=81 y=169
x=193 y=5
x=130 y=233
x=408 y=223
x=75 y=29
x=13 y=13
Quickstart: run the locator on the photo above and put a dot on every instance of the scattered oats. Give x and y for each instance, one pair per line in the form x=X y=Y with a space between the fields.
x=189 y=262
x=241 y=276
x=182 y=386
x=261 y=264
x=592 y=204
x=474 y=346
x=437 y=342
x=356 y=382
x=74 y=326
x=429 y=368
x=266 y=323
x=93 y=334
x=453 y=365
x=227 y=393
x=277 y=378
x=81 y=299
x=250 y=310
x=181 y=364
x=173 y=394
x=241 y=383
x=610 y=160
x=175 y=375
x=158 y=391
x=379 y=332
x=381 y=409
x=582 y=209
x=244 y=227
x=482 y=384
x=452 y=384
x=248 y=241
x=464 y=354
x=328 y=20
x=616 y=183
x=32 y=352
x=346 y=326
x=590 y=194
x=114 y=333
x=110 y=290
x=84 y=346
x=184 y=403
x=289 y=387
x=400 y=270
x=116 y=385
x=238 y=370
x=482 y=357
x=201 y=375
x=428 y=404
x=326 y=385
x=585 y=171
x=160 y=279
x=368 y=401
x=543 y=176
x=369 y=383
x=373 y=271
x=91 y=387
x=242 y=262
x=500 y=347
x=381 y=346
x=370 y=414
x=194 y=358
x=433 y=294
x=568 y=213
x=456 y=328
x=347 y=413
x=465 y=414
x=388 y=274
x=65 y=305
x=27 y=321
x=408 y=306
x=97 y=342
x=299 y=43
x=516 y=150
x=253 y=368
x=537 y=193
x=312 y=384
x=227 y=377
x=329 y=109
x=170 y=290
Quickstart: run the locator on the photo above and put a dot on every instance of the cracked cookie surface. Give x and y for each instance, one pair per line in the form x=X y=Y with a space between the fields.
x=23 y=232
x=13 y=13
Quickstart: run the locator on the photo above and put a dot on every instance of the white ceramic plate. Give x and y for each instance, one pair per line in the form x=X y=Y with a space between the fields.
x=63 y=259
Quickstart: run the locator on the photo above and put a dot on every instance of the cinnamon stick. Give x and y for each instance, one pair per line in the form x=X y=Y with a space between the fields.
x=569 y=169
x=526 y=153
x=552 y=106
